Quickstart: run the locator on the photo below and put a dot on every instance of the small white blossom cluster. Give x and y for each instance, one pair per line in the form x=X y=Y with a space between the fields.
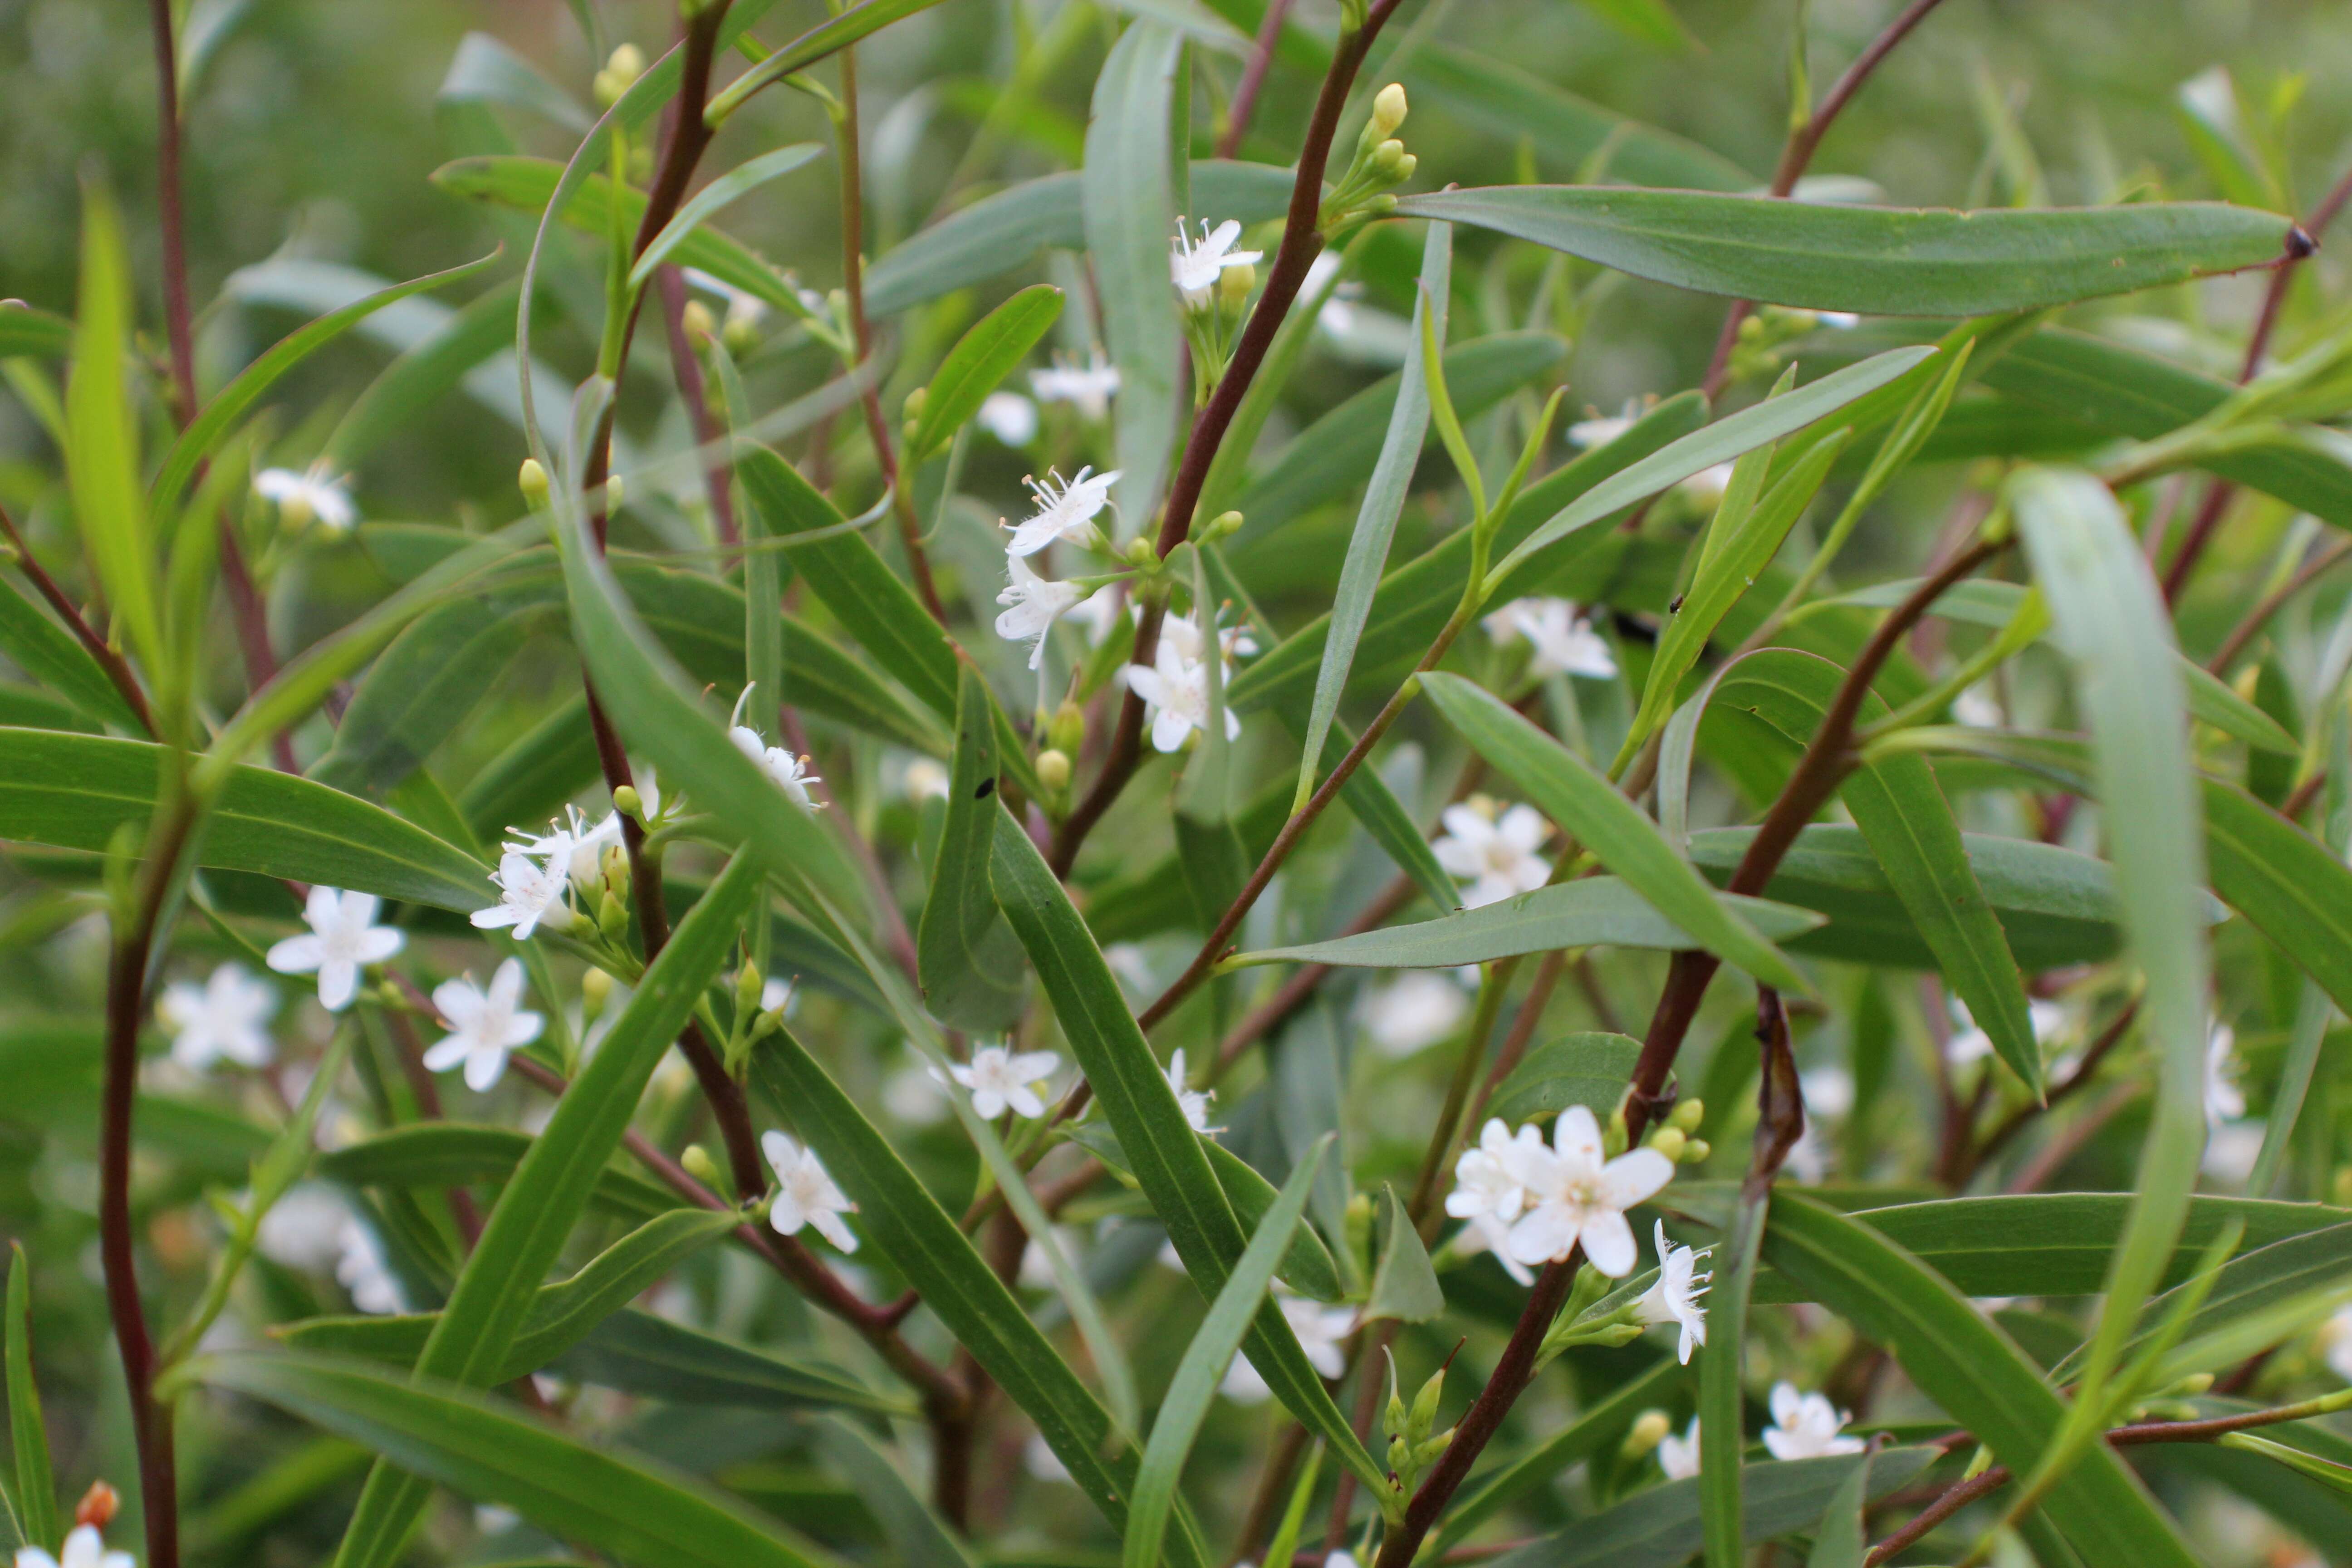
x=1198 y=266
x=785 y=771
x=1563 y=641
x=1533 y=1203
x=1066 y=509
x=1492 y=850
x=84 y=1548
x=344 y=939
x=1804 y=1426
x=537 y=872
x=999 y=1078
x=1175 y=686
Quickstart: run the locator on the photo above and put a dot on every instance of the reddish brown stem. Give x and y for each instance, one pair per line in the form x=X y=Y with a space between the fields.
x=694 y=393
x=2246 y=630
x=1245 y=91
x=118 y=668
x=2016 y=1122
x=1797 y=155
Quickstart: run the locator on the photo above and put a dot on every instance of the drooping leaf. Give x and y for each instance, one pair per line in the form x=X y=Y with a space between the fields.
x=1881 y=261
x=1404 y=1282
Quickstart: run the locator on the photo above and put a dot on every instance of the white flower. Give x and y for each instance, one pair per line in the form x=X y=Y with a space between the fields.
x=1031 y=606
x=312 y=494
x=804 y=1193
x=1969 y=1044
x=529 y=894
x=1089 y=387
x=1175 y=692
x=2224 y=1100
x=1321 y=1332
x=84 y=1549
x=1828 y=1090
x=1805 y=1426
x=1678 y=1457
x=1197 y=266
x=998 y=1077
x=1976 y=709
x=484 y=1025
x=1564 y=642
x=362 y=1270
x=1098 y=613
x=573 y=851
x=1009 y=416
x=1602 y=430
x=304 y=1229
x=1675 y=1297
x=1498 y=856
x=788 y=773
x=224 y=1017
x=925 y=780
x=1573 y=1197
x=2335 y=1342
x=1487 y=1193
x=1193 y=1101
x=343 y=940
x=1412 y=1012
x=1707 y=486
x=1065 y=509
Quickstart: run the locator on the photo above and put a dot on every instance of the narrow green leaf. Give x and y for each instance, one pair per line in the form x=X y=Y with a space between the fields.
x=35 y=1491
x=1881 y=261
x=1841 y=1540
x=1131 y=207
x=446 y=1433
x=485 y=70
x=482 y=331
x=2284 y=881
x=276 y=1490
x=1969 y=1367
x=102 y=436
x=918 y=1537
x=2110 y=621
x=636 y=1352
x=1587 y=806
x=1722 y=1405
x=967 y=960
x=209 y=429
x=1404 y=1282
x=494 y=1296
x=55 y=658
x=1597 y=1426
x=27 y=332
x=1593 y=911
x=1376 y=520
x=1511 y=103
x=2312 y=1017
x=457 y=1154
x=1163 y=1151
x=737 y=181
x=826 y=38
x=981 y=358
x=1587 y=1068
x=76 y=791
x=1307 y=1268
x=2329 y=1472
x=1239 y=1303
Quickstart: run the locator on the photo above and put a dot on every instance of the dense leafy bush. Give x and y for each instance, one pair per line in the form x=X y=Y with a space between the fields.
x=1158 y=859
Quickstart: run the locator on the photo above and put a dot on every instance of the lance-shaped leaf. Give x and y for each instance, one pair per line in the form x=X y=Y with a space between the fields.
x=1881 y=261
x=26 y=331
x=981 y=358
x=1368 y=546
x=2111 y=622
x=102 y=437
x=918 y=1537
x=447 y=1433
x=35 y=1495
x=495 y=1293
x=1161 y=1145
x=1512 y=103
x=1131 y=207
x=824 y=39
x=1593 y=911
x=736 y=182
x=967 y=959
x=1590 y=809
x=1214 y=1343
x=1968 y=1366
x=76 y=791
x=458 y=1154
x=2284 y=881
x=53 y=657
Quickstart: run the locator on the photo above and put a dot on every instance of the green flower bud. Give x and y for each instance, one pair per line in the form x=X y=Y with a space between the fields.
x=1649 y=1429
x=1687 y=1115
x=695 y=319
x=629 y=803
x=1426 y=1452
x=1424 y=1404
x=595 y=990
x=1067 y=732
x=1695 y=1152
x=531 y=479
x=613 y=918
x=1389 y=108
x=1053 y=769
x=748 y=982
x=1387 y=156
x=699 y=1165
x=1669 y=1141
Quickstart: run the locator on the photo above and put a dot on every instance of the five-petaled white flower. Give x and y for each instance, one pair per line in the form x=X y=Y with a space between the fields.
x=1009 y=416
x=1413 y=1012
x=1487 y=1192
x=84 y=1549
x=1033 y=604
x=530 y=894
x=485 y=1027
x=2224 y=1100
x=1066 y=509
x=1564 y=642
x=788 y=773
x=363 y=1271
x=1678 y=1457
x=343 y=940
x=804 y=1193
x=1573 y=1196
x=1321 y=1332
x=1970 y=1043
x=312 y=494
x=1675 y=1297
x=1175 y=693
x=1197 y=265
x=224 y=1017
x=998 y=1077
x=1497 y=855
x=1088 y=387
x=1805 y=1426
x=1194 y=1102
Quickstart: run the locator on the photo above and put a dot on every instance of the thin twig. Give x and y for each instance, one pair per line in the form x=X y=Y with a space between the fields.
x=2017 y=1120
x=2246 y=630
x=2054 y=1154
x=118 y=669
x=1244 y=105
x=718 y=478
x=1796 y=152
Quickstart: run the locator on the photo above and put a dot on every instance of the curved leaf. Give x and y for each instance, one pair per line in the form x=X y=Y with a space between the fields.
x=727 y=187
x=56 y=659
x=981 y=358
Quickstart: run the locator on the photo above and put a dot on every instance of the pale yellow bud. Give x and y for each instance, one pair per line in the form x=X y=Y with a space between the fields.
x=1234 y=283
x=1695 y=1152
x=1670 y=1141
x=626 y=64
x=1405 y=167
x=613 y=493
x=1649 y=1429
x=595 y=990
x=696 y=318
x=1053 y=769
x=1389 y=108
x=531 y=479
x=1388 y=156
x=699 y=1165
x=1688 y=1114
x=1223 y=523
x=294 y=513
x=628 y=803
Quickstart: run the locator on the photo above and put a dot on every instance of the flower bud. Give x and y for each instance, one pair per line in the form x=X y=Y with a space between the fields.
x=294 y=512
x=1359 y=1223
x=531 y=479
x=98 y=1506
x=1406 y=165
x=1067 y=732
x=626 y=64
x=1427 y=1451
x=1388 y=156
x=1649 y=1429
x=741 y=334
x=1400 y=1457
x=1669 y=1141
x=748 y=982
x=1389 y=108
x=613 y=493
x=695 y=319
x=629 y=803
x=1053 y=769
x=1424 y=1404
x=612 y=917
x=1695 y=1152
x=2195 y=1383
x=1234 y=283
x=1223 y=523
x=915 y=400
x=1139 y=550
x=614 y=868
x=1687 y=1115
x=595 y=990
x=699 y=1165
x=1381 y=205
